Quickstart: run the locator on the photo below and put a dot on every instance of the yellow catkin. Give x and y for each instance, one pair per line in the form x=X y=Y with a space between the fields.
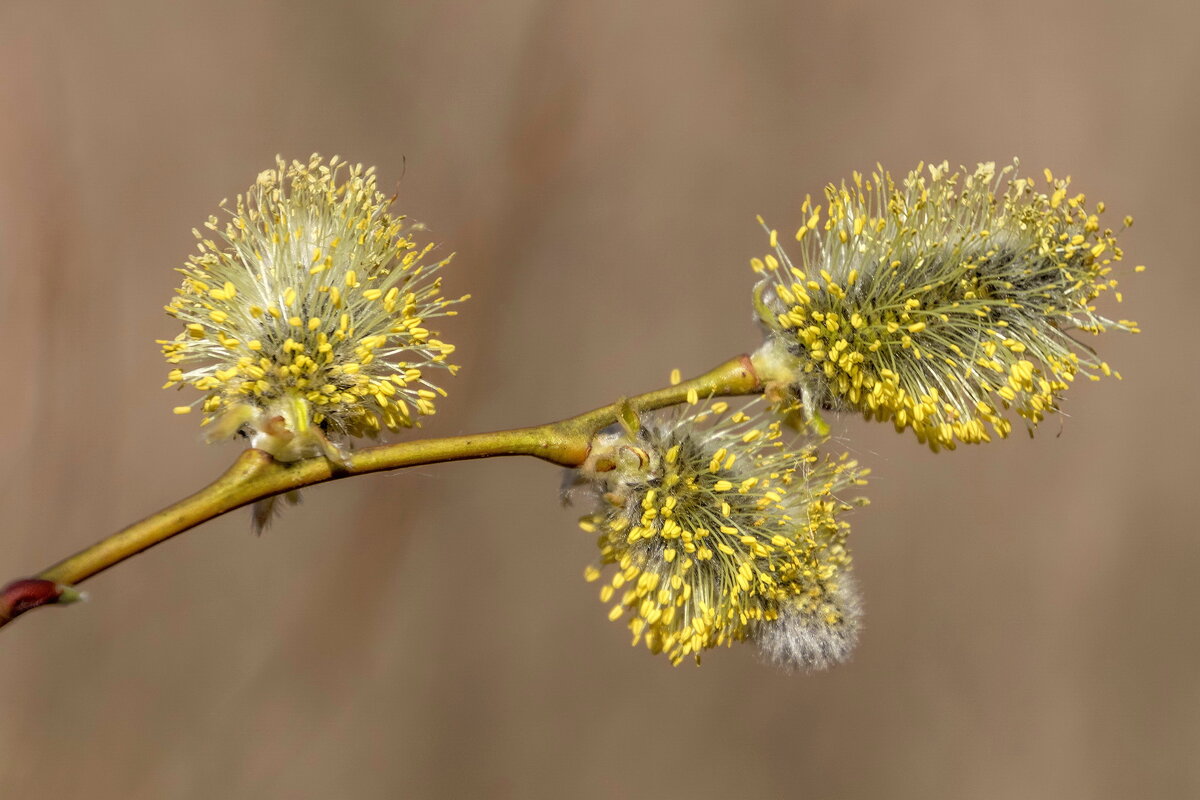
x=954 y=278
x=329 y=342
x=687 y=583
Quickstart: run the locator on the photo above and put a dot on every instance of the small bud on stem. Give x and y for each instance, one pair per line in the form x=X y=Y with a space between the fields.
x=27 y=593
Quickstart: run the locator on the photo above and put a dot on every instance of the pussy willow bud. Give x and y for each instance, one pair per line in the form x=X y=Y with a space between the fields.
x=939 y=303
x=714 y=531
x=306 y=315
x=813 y=636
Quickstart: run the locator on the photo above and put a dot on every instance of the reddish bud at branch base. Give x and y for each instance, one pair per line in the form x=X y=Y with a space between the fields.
x=22 y=595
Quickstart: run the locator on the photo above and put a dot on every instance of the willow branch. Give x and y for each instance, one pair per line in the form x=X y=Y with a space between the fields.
x=256 y=476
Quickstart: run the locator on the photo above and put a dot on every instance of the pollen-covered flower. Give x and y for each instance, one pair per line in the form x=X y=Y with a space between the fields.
x=306 y=315
x=716 y=532
x=940 y=303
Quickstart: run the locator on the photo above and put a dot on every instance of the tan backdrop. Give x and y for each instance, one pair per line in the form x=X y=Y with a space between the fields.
x=597 y=167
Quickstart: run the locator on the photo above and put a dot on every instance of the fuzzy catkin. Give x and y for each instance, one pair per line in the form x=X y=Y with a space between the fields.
x=940 y=303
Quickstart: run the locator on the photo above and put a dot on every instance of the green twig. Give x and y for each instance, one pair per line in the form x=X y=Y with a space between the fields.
x=256 y=476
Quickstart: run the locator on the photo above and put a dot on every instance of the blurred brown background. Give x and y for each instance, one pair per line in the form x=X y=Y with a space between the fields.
x=597 y=167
